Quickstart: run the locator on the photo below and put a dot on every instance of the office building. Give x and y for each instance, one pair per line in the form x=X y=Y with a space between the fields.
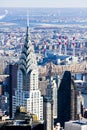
x=27 y=93
x=51 y=92
x=67 y=99
x=22 y=120
x=48 y=114
x=12 y=84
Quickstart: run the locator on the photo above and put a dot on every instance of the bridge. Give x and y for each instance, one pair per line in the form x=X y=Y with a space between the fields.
x=53 y=69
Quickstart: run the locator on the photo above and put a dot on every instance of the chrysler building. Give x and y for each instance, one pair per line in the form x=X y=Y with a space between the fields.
x=27 y=93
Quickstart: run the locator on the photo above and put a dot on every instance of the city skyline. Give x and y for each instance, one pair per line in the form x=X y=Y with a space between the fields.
x=43 y=3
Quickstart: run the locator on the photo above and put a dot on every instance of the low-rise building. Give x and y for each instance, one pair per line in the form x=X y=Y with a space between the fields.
x=76 y=125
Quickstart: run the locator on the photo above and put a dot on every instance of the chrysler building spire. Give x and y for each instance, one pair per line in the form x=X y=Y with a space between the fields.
x=27 y=18
x=27 y=60
x=28 y=28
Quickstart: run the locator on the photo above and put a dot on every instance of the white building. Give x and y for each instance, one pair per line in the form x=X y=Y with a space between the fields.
x=75 y=125
x=27 y=93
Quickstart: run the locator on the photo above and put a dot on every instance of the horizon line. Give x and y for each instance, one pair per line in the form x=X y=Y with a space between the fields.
x=39 y=7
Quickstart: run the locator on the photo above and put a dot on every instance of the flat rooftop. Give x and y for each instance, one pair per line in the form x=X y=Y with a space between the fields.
x=80 y=122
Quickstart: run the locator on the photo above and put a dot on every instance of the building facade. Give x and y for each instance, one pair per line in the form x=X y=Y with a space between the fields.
x=12 y=84
x=67 y=99
x=51 y=92
x=48 y=114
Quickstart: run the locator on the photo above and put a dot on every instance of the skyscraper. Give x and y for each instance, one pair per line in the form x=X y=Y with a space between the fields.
x=67 y=99
x=48 y=113
x=27 y=93
x=12 y=84
x=51 y=92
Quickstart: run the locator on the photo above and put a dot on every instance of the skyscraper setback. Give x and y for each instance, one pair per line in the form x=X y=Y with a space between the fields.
x=27 y=93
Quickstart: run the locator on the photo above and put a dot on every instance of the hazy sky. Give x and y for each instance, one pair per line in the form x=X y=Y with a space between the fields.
x=43 y=3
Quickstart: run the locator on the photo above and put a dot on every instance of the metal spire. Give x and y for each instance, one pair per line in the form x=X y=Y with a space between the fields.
x=28 y=18
x=27 y=63
x=28 y=29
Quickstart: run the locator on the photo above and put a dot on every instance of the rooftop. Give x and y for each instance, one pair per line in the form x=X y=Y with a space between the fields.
x=80 y=122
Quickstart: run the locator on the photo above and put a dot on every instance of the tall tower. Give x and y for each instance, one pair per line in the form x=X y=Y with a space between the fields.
x=27 y=93
x=67 y=99
x=48 y=113
x=12 y=84
x=51 y=92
